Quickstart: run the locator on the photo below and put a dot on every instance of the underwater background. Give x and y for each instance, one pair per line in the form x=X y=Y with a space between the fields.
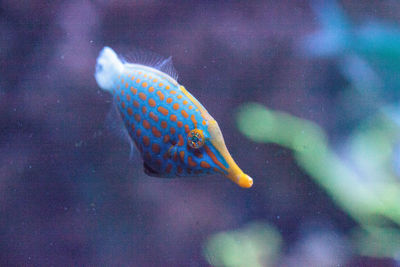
x=306 y=94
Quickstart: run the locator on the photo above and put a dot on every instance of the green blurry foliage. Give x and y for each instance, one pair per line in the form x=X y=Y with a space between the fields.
x=366 y=186
x=257 y=244
x=377 y=242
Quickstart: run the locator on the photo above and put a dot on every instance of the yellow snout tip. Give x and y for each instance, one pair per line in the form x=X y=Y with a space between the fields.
x=243 y=180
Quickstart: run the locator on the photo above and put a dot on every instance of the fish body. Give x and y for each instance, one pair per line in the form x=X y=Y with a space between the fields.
x=174 y=133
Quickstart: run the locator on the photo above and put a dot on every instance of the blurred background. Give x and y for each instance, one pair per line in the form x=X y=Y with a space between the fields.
x=306 y=94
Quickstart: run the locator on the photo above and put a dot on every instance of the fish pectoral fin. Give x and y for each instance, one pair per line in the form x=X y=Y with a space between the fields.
x=151 y=172
x=172 y=150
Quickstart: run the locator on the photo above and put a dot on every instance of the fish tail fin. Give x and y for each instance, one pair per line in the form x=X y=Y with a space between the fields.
x=107 y=68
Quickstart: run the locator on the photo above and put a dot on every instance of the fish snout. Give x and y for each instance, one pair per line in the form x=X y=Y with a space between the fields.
x=242 y=180
x=245 y=181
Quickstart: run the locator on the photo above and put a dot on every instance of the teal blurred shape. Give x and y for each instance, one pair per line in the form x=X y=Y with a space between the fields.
x=334 y=35
x=339 y=36
x=256 y=244
x=373 y=43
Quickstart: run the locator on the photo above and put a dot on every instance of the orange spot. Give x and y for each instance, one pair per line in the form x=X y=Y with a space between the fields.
x=175 y=106
x=180 y=124
x=146 y=124
x=158 y=162
x=181 y=141
x=144 y=109
x=122 y=80
x=133 y=127
x=193 y=118
x=179 y=96
x=133 y=78
x=123 y=104
x=166 y=155
x=155 y=80
x=156 y=132
x=155 y=148
x=128 y=97
x=130 y=111
x=163 y=110
x=147 y=156
x=145 y=75
x=164 y=124
x=172 y=92
x=204 y=164
x=118 y=98
x=133 y=90
x=160 y=95
x=213 y=157
x=140 y=73
x=160 y=84
x=190 y=107
x=204 y=122
x=167 y=87
x=166 y=138
x=137 y=80
x=146 y=140
x=135 y=103
x=173 y=117
x=142 y=96
x=184 y=114
x=172 y=130
x=151 y=89
x=138 y=132
x=153 y=116
x=191 y=162
x=169 y=100
x=144 y=84
x=175 y=156
x=187 y=128
x=127 y=85
x=122 y=92
x=168 y=169
x=198 y=153
x=152 y=103
x=179 y=169
x=137 y=117
x=185 y=102
x=182 y=155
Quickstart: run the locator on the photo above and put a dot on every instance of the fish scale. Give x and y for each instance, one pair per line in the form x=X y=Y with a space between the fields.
x=174 y=133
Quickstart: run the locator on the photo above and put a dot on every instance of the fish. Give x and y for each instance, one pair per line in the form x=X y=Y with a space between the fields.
x=173 y=131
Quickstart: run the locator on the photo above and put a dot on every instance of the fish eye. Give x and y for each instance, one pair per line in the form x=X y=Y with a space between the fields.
x=195 y=138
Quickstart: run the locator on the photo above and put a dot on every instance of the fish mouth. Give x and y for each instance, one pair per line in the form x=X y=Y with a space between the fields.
x=241 y=179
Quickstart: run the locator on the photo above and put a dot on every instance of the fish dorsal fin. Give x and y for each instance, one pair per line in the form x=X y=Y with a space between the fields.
x=168 y=67
x=151 y=59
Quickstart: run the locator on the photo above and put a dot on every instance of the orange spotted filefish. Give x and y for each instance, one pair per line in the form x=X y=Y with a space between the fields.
x=174 y=133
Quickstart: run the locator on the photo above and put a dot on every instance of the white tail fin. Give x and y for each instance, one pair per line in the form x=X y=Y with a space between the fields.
x=108 y=67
